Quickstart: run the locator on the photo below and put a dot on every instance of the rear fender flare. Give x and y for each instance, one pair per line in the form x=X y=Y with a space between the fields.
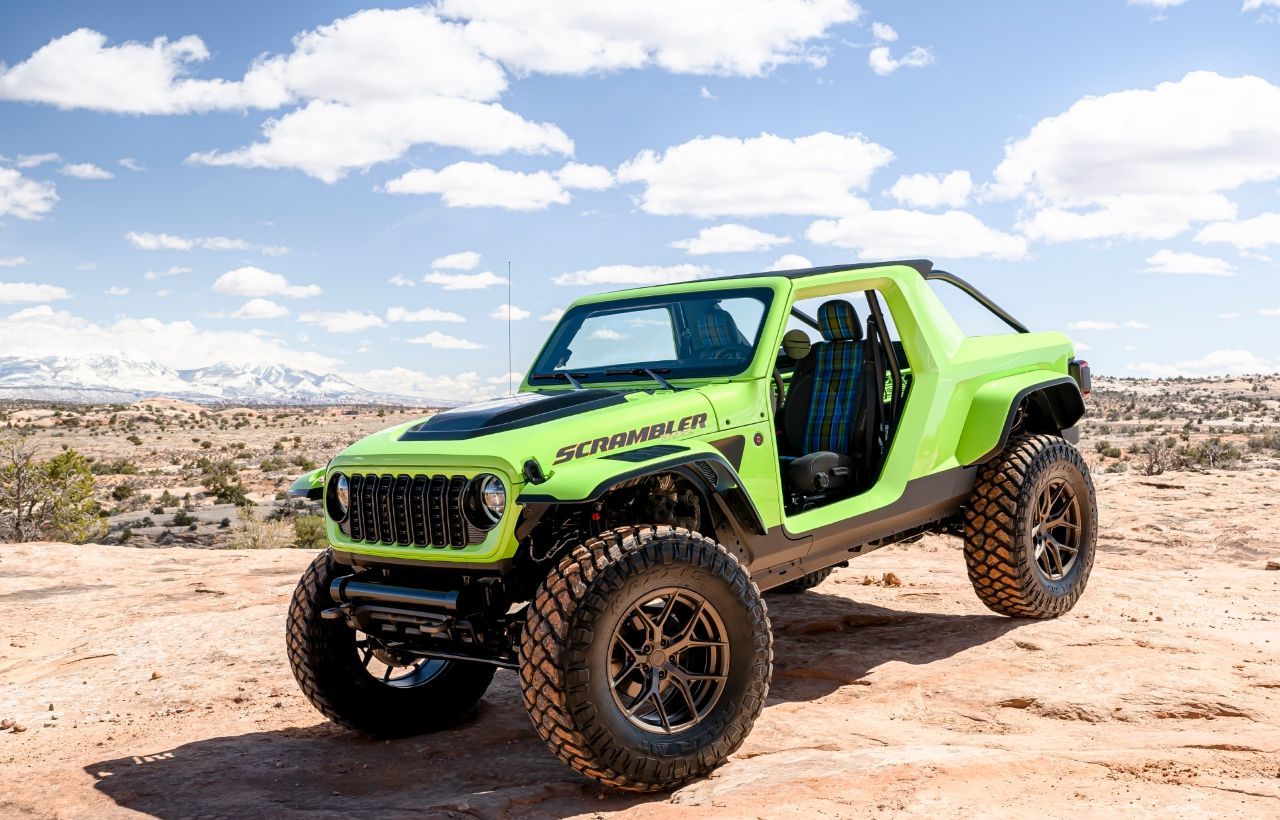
x=1049 y=403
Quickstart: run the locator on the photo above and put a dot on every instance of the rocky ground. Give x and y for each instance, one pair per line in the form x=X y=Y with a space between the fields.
x=153 y=682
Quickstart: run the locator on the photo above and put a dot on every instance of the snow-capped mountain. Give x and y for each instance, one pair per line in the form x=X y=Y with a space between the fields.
x=115 y=379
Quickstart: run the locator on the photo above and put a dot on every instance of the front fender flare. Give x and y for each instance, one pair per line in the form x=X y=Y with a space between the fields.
x=700 y=463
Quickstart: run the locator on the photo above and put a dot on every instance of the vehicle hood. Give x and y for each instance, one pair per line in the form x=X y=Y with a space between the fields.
x=554 y=427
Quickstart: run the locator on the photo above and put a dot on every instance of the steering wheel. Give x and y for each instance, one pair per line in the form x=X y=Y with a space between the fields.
x=779 y=390
x=733 y=352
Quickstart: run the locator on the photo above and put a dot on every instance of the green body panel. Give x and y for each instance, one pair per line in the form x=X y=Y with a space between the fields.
x=308 y=482
x=960 y=393
x=989 y=410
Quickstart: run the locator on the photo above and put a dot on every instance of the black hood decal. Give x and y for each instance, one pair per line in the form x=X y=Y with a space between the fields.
x=510 y=413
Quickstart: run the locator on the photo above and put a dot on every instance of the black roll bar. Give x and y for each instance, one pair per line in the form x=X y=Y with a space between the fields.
x=977 y=296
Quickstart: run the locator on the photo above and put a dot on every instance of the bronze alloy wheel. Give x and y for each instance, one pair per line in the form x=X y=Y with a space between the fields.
x=1056 y=529
x=668 y=661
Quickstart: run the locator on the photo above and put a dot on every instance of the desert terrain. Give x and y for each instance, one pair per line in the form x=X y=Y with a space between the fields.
x=146 y=676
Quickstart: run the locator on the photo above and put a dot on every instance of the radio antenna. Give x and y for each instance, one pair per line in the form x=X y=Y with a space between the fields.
x=510 y=356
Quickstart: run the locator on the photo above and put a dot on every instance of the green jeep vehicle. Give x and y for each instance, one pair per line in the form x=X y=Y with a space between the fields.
x=673 y=453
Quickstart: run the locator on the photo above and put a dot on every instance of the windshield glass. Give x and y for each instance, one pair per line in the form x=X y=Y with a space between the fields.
x=675 y=336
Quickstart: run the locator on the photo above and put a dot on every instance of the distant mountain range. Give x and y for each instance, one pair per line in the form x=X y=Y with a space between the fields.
x=114 y=379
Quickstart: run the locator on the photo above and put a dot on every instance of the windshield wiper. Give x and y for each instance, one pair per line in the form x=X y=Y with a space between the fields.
x=644 y=371
x=561 y=374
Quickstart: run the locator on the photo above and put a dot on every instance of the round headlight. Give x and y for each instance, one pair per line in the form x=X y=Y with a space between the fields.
x=488 y=499
x=339 y=497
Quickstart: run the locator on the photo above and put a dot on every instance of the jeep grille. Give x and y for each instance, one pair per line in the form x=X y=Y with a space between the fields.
x=423 y=511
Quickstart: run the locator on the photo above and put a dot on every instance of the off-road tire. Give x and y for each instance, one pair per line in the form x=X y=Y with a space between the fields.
x=326 y=665
x=807 y=581
x=998 y=547
x=574 y=613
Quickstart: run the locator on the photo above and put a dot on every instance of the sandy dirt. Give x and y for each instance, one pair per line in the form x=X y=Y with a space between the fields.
x=153 y=682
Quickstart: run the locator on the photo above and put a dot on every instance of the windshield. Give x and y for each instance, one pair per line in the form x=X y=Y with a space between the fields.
x=676 y=336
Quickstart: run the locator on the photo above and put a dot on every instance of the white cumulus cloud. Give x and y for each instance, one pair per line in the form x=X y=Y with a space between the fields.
x=153 y=275
x=585 y=177
x=483 y=185
x=790 y=261
x=506 y=312
x=464 y=281
x=85 y=170
x=251 y=281
x=42 y=331
x=1245 y=234
x=462 y=260
x=883 y=62
x=931 y=190
x=632 y=275
x=25 y=198
x=1232 y=362
x=327 y=139
x=727 y=176
x=260 y=309
x=79 y=70
x=35 y=160
x=1169 y=261
x=12 y=261
x=884 y=31
x=727 y=37
x=1128 y=165
x=144 y=241
x=11 y=292
x=400 y=314
x=730 y=238
x=342 y=321
x=443 y=341
x=1094 y=324
x=899 y=234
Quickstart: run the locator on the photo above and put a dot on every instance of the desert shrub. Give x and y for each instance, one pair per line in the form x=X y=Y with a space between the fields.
x=41 y=499
x=1212 y=453
x=125 y=534
x=167 y=499
x=252 y=534
x=120 y=466
x=1105 y=450
x=182 y=518
x=222 y=481
x=121 y=492
x=134 y=440
x=272 y=464
x=224 y=523
x=1157 y=455
x=309 y=532
x=1117 y=467
x=304 y=462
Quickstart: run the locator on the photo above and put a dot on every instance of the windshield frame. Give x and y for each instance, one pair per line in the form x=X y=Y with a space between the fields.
x=571 y=322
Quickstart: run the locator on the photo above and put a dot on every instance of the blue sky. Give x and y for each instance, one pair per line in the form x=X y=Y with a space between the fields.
x=252 y=187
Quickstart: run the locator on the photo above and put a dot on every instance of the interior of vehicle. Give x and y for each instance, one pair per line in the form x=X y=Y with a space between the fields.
x=842 y=394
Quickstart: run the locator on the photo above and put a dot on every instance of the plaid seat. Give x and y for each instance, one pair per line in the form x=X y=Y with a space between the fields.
x=837 y=372
x=716 y=330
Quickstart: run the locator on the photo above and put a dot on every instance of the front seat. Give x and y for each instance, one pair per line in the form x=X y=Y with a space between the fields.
x=822 y=411
x=718 y=336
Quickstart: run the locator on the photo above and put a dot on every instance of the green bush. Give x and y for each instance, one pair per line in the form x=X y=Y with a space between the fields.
x=43 y=499
x=309 y=532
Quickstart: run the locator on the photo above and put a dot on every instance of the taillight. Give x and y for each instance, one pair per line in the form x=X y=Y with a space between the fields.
x=1079 y=370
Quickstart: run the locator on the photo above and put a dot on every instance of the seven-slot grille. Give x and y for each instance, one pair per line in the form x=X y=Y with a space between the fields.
x=423 y=511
